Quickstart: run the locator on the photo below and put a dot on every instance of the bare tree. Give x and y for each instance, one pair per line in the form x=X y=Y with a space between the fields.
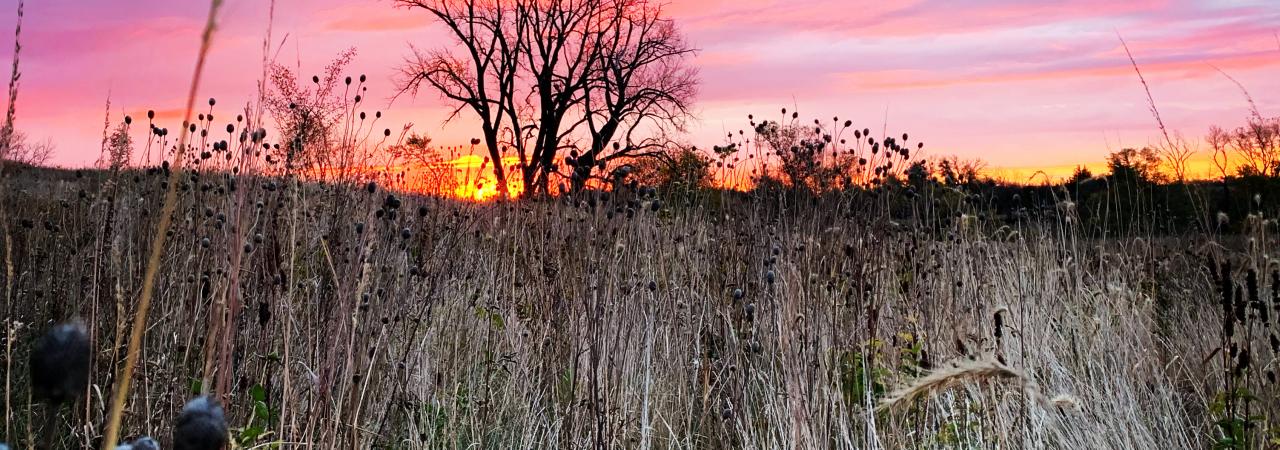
x=1258 y=146
x=1176 y=153
x=562 y=42
x=544 y=75
x=479 y=73
x=643 y=87
x=1219 y=140
x=22 y=150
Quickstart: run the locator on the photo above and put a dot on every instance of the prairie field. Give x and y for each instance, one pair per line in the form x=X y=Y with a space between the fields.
x=588 y=224
x=646 y=319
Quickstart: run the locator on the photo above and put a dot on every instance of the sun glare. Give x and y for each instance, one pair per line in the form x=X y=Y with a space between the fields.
x=474 y=179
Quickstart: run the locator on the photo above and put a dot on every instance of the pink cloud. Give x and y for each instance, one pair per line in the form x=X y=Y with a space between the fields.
x=1193 y=68
x=361 y=18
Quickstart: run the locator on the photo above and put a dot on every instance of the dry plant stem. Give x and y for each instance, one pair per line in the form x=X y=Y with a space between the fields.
x=6 y=135
x=31 y=441
x=121 y=392
x=1151 y=102
x=9 y=329
x=288 y=319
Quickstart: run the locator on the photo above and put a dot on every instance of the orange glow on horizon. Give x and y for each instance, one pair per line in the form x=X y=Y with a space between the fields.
x=1199 y=167
x=470 y=177
x=479 y=184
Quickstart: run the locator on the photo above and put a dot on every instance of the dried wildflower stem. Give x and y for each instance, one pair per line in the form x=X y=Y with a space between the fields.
x=288 y=303
x=112 y=432
x=10 y=329
x=6 y=137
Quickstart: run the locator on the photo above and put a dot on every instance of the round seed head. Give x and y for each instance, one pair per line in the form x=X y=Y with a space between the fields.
x=141 y=443
x=60 y=364
x=201 y=426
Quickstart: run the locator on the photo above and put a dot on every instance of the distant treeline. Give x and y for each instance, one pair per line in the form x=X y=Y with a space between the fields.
x=1133 y=198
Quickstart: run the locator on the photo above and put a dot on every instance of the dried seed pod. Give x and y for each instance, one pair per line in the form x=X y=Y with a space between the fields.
x=60 y=365
x=201 y=426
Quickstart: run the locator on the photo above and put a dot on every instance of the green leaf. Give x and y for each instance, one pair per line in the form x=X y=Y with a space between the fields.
x=260 y=410
x=251 y=434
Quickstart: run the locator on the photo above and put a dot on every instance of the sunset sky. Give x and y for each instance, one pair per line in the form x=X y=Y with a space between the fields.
x=1019 y=84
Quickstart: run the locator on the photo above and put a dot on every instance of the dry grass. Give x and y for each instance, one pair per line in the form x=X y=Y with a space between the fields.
x=956 y=373
x=546 y=325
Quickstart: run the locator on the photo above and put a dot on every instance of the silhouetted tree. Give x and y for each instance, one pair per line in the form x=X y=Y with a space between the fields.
x=1258 y=146
x=544 y=75
x=479 y=74
x=1080 y=175
x=641 y=86
x=1135 y=166
x=23 y=150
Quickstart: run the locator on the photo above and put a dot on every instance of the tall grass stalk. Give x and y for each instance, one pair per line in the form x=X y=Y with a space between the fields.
x=6 y=141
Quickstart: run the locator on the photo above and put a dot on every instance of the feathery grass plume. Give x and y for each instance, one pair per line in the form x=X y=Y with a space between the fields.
x=955 y=373
x=7 y=133
x=121 y=392
x=1065 y=402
